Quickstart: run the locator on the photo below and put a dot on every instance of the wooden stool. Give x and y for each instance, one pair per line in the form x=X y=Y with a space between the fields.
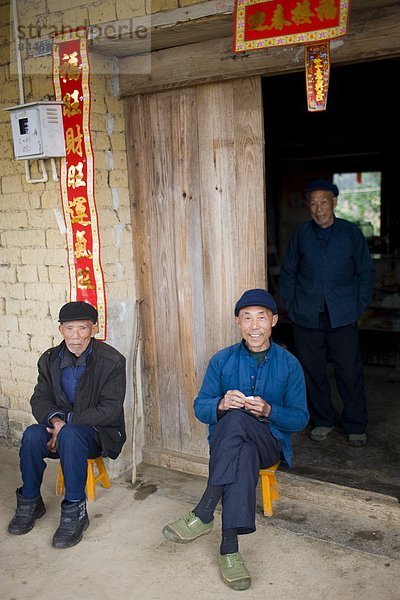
x=91 y=480
x=269 y=488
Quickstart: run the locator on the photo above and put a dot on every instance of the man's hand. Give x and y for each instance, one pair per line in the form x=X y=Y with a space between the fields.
x=232 y=399
x=57 y=425
x=257 y=406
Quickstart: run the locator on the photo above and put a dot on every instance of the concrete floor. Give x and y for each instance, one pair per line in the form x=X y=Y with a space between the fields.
x=375 y=467
x=332 y=544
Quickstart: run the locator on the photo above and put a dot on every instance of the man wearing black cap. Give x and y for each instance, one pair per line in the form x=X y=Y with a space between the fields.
x=326 y=284
x=252 y=398
x=78 y=404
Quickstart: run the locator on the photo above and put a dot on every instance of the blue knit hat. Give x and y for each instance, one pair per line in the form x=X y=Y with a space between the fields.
x=322 y=184
x=256 y=297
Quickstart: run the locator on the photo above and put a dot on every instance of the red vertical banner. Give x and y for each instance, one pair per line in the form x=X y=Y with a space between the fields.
x=72 y=87
x=317 y=75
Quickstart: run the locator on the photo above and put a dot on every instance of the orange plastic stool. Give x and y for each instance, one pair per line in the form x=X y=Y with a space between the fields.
x=91 y=480
x=269 y=488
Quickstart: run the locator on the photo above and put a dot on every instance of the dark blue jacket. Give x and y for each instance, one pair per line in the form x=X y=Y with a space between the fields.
x=339 y=274
x=279 y=380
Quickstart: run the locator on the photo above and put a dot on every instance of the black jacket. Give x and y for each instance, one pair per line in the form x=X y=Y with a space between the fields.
x=99 y=398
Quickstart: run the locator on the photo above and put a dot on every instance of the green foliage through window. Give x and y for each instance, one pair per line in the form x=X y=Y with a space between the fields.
x=360 y=200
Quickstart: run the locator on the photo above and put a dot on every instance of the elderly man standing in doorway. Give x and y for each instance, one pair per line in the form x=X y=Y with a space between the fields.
x=326 y=283
x=252 y=398
x=78 y=404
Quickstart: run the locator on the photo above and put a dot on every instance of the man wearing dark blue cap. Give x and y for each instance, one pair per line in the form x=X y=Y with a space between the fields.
x=252 y=398
x=78 y=404
x=326 y=284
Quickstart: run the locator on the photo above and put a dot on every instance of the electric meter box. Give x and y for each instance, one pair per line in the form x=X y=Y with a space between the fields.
x=37 y=130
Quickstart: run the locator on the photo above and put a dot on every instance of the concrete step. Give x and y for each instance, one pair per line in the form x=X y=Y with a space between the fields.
x=339 y=497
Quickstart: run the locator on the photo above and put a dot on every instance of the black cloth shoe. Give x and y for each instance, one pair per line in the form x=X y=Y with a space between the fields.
x=26 y=514
x=74 y=520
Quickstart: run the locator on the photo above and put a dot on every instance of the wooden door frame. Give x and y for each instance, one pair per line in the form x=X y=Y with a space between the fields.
x=373 y=35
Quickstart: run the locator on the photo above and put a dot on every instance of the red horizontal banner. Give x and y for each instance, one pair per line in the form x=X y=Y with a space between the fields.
x=278 y=23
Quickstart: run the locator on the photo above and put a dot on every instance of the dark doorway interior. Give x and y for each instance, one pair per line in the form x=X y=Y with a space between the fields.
x=357 y=133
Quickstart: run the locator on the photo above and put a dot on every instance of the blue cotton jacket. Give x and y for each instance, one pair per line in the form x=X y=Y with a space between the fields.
x=279 y=380
x=339 y=274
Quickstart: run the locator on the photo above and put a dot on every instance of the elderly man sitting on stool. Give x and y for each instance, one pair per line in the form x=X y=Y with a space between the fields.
x=253 y=396
x=78 y=403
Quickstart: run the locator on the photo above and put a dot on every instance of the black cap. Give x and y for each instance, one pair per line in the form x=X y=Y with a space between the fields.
x=77 y=311
x=256 y=297
x=322 y=184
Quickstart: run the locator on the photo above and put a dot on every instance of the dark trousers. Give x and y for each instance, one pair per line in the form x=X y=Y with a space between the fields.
x=312 y=346
x=239 y=447
x=75 y=444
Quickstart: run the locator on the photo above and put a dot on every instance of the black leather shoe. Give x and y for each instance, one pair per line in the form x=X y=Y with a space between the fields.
x=74 y=520
x=26 y=514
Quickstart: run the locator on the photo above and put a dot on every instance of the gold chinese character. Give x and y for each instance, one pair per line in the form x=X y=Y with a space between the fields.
x=278 y=18
x=75 y=176
x=256 y=21
x=71 y=58
x=83 y=279
x=73 y=143
x=71 y=104
x=79 y=216
x=70 y=69
x=326 y=9
x=302 y=13
x=81 y=250
x=319 y=79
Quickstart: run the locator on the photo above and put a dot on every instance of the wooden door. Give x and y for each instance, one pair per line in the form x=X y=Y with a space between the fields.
x=196 y=171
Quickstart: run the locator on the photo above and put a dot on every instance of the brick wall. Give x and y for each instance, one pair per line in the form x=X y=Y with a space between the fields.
x=34 y=275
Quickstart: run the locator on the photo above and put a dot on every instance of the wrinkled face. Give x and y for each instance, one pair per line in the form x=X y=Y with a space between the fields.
x=255 y=324
x=77 y=335
x=321 y=204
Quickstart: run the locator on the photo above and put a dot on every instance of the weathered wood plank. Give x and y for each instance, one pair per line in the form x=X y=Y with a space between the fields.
x=160 y=213
x=176 y=461
x=191 y=206
x=137 y=138
x=184 y=25
x=218 y=194
x=173 y=152
x=209 y=20
x=250 y=188
x=163 y=167
x=339 y=497
x=185 y=198
x=373 y=34
x=232 y=190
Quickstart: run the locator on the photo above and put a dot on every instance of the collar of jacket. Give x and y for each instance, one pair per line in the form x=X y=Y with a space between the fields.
x=317 y=228
x=268 y=356
x=56 y=351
